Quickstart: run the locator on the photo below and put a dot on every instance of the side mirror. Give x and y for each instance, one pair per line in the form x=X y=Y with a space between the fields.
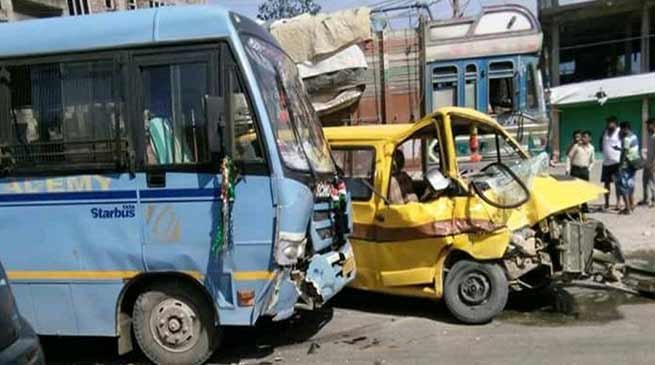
x=438 y=182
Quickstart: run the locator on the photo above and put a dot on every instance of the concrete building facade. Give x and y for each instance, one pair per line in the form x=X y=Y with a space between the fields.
x=15 y=10
x=596 y=49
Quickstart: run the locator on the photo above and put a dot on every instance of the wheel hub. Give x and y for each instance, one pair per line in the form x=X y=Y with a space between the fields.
x=475 y=289
x=174 y=325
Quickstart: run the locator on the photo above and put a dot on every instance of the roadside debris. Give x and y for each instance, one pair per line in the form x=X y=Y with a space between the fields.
x=375 y=342
x=313 y=347
x=355 y=340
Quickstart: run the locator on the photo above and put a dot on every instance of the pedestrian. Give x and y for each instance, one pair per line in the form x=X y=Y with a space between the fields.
x=581 y=157
x=625 y=180
x=575 y=139
x=610 y=146
x=649 y=167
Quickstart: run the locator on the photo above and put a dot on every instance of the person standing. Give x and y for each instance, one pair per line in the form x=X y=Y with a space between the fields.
x=581 y=157
x=575 y=139
x=649 y=167
x=610 y=145
x=625 y=181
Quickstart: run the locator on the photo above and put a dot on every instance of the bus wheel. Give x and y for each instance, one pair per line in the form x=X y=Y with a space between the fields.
x=475 y=292
x=174 y=325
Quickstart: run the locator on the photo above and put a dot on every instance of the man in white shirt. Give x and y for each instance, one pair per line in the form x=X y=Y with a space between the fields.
x=610 y=145
x=581 y=157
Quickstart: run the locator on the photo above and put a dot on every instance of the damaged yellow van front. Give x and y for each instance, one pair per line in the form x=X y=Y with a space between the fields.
x=452 y=207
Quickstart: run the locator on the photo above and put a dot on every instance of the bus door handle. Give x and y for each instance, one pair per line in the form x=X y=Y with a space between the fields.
x=156 y=179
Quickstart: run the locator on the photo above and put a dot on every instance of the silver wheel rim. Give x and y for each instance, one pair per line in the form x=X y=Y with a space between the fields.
x=174 y=325
x=475 y=289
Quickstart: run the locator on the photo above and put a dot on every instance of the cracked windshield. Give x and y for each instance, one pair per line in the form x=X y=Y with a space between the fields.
x=297 y=128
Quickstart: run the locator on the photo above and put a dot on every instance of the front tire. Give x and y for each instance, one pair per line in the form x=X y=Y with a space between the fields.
x=174 y=325
x=475 y=292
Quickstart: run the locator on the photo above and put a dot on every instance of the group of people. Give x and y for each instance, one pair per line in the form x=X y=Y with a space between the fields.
x=621 y=161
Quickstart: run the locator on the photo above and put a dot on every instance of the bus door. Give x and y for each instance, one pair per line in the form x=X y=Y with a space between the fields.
x=179 y=188
x=68 y=207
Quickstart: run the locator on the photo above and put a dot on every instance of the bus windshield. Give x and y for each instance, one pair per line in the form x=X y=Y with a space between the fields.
x=295 y=123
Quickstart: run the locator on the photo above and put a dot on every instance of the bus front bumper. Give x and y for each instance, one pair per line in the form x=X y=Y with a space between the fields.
x=325 y=276
x=329 y=273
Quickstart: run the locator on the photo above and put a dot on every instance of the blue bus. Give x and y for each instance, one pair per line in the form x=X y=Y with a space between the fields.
x=491 y=63
x=163 y=175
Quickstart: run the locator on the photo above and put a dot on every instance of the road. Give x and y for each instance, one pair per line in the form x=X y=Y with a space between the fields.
x=559 y=326
x=564 y=326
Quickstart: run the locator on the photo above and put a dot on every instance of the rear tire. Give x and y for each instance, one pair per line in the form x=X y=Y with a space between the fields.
x=475 y=292
x=174 y=325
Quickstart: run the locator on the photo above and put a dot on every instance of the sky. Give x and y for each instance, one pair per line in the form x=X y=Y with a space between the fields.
x=441 y=8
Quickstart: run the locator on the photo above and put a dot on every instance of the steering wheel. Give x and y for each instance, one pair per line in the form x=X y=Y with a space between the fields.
x=477 y=188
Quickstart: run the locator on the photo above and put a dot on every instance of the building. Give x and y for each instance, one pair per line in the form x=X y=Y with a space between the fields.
x=599 y=56
x=14 y=10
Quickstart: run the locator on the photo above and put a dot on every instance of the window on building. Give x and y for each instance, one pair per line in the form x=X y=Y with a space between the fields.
x=471 y=87
x=502 y=92
x=358 y=166
x=131 y=4
x=109 y=4
x=78 y=7
x=157 y=4
x=62 y=115
x=444 y=87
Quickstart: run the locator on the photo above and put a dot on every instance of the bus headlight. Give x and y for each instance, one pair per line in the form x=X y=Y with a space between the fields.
x=290 y=247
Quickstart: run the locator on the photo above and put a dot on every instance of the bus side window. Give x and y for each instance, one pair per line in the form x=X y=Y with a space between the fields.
x=444 y=87
x=62 y=116
x=501 y=88
x=248 y=147
x=471 y=87
x=173 y=113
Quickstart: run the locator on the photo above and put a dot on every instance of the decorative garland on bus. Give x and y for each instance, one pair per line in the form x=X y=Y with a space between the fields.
x=223 y=227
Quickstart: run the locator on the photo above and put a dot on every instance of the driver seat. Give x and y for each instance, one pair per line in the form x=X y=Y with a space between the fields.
x=401 y=186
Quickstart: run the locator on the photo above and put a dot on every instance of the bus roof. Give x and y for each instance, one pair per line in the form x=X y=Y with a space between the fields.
x=112 y=30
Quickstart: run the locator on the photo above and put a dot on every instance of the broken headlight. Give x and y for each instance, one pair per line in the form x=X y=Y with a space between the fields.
x=290 y=247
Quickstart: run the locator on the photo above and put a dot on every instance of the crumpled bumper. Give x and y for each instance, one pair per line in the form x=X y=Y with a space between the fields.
x=326 y=275
x=329 y=273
